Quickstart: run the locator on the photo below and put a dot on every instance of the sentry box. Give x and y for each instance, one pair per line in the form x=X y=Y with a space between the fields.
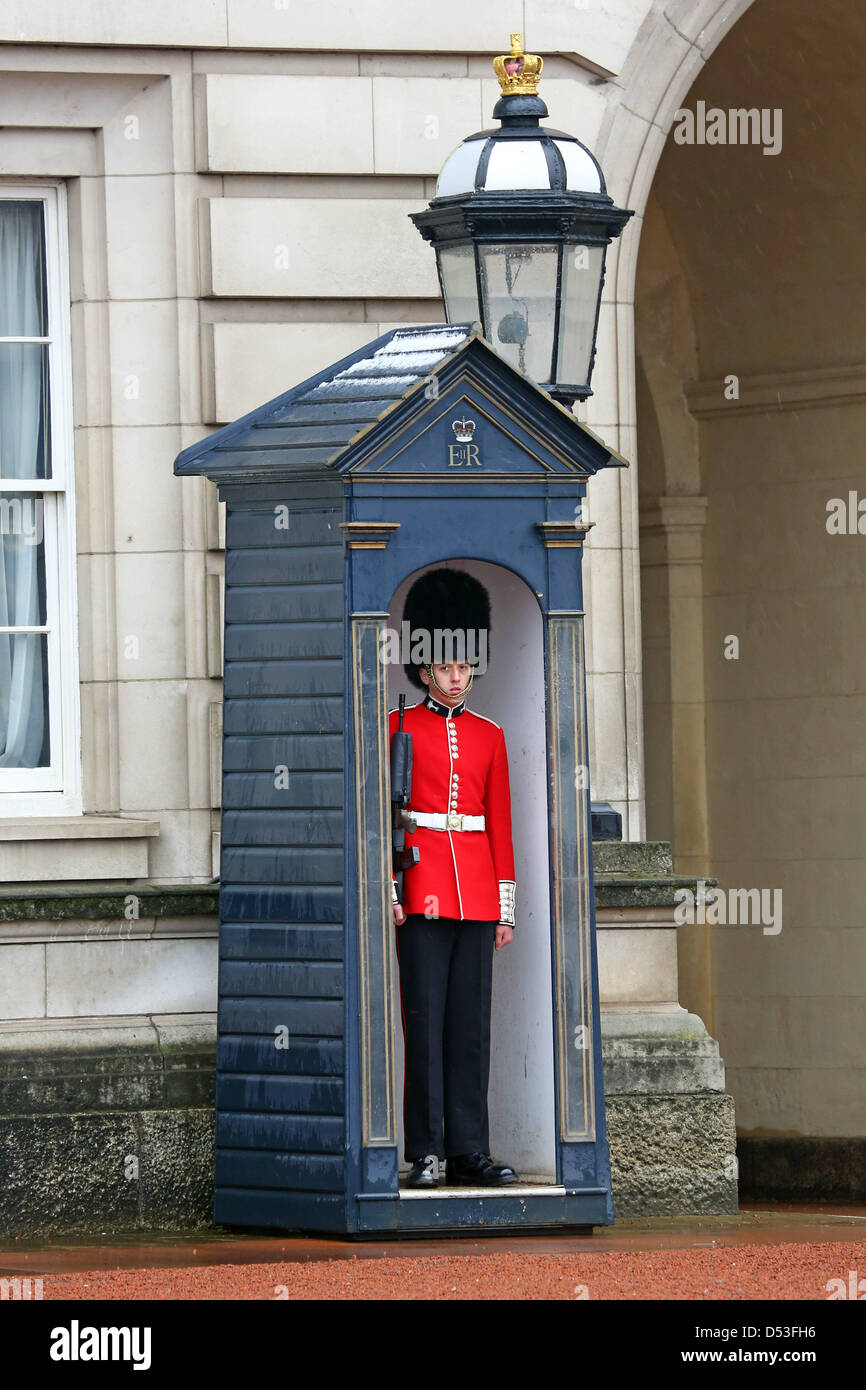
x=423 y=448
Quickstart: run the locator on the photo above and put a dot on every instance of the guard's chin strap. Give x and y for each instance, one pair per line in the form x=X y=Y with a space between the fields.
x=435 y=683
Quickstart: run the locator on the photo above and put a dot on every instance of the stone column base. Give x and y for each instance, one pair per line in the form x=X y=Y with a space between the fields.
x=67 y=1174
x=670 y=1124
x=106 y=1125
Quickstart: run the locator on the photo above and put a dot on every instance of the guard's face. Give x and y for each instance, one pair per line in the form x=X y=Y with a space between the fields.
x=452 y=678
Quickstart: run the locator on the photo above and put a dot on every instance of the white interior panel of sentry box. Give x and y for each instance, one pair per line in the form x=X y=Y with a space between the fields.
x=521 y=1096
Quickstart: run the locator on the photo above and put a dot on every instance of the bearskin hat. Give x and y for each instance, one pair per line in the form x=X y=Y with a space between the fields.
x=453 y=601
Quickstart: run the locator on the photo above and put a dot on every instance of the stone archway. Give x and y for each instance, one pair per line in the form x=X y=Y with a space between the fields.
x=670 y=49
x=750 y=338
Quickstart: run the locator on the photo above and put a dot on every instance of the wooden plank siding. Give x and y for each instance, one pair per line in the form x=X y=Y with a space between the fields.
x=280 y=1134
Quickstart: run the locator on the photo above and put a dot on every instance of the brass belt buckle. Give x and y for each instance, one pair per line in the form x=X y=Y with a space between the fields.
x=455 y=822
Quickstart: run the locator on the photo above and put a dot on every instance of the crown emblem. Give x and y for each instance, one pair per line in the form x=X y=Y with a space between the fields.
x=518 y=72
x=463 y=430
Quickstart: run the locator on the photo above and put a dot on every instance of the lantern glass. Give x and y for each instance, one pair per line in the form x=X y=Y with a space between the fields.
x=518 y=285
x=582 y=270
x=459 y=283
x=458 y=171
x=516 y=164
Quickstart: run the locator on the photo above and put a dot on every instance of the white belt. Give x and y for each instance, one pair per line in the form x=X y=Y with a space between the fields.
x=440 y=820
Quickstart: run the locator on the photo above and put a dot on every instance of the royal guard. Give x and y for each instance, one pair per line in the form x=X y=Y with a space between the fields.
x=458 y=900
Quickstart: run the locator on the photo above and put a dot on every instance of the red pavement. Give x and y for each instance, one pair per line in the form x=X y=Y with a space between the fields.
x=776 y=1253
x=782 y=1271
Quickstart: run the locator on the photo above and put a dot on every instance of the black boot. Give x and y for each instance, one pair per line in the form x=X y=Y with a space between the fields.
x=477 y=1170
x=425 y=1172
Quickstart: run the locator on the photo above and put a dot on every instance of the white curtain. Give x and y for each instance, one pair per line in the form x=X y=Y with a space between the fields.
x=22 y=452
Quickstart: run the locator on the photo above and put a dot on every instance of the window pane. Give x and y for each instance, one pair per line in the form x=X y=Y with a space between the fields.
x=581 y=286
x=457 y=264
x=24 y=738
x=25 y=444
x=23 y=304
x=520 y=293
x=22 y=561
x=24 y=728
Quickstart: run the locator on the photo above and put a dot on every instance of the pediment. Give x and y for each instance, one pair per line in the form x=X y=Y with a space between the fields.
x=465 y=429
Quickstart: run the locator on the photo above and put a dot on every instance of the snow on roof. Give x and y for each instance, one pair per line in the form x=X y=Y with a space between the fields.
x=411 y=353
x=348 y=384
x=396 y=361
x=426 y=339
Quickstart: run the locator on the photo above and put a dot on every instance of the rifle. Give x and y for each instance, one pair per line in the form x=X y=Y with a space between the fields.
x=401 y=790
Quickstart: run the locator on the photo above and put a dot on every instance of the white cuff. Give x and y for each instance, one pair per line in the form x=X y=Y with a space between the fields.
x=394 y=898
x=507 y=888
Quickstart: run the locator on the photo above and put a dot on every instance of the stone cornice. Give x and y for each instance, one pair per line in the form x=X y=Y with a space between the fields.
x=107 y=901
x=779 y=391
x=671 y=530
x=88 y=827
x=637 y=877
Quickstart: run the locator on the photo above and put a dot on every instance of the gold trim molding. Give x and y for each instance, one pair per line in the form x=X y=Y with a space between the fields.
x=572 y=954
x=563 y=535
x=368 y=535
x=378 y=1080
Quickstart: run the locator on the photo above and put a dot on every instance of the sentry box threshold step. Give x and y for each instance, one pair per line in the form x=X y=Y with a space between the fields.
x=514 y=1190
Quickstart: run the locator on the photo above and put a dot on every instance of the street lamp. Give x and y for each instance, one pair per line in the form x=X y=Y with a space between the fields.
x=520 y=224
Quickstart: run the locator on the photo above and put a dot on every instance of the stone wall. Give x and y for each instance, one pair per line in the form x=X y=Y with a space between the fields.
x=107 y=1124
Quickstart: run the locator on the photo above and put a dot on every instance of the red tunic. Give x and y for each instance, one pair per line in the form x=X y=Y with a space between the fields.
x=459 y=764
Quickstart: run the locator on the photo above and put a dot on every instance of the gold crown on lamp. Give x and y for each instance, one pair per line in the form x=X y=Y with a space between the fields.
x=518 y=72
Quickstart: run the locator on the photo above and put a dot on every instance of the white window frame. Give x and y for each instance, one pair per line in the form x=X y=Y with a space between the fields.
x=57 y=788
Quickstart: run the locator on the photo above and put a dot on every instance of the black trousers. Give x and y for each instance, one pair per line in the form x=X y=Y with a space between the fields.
x=446 y=980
